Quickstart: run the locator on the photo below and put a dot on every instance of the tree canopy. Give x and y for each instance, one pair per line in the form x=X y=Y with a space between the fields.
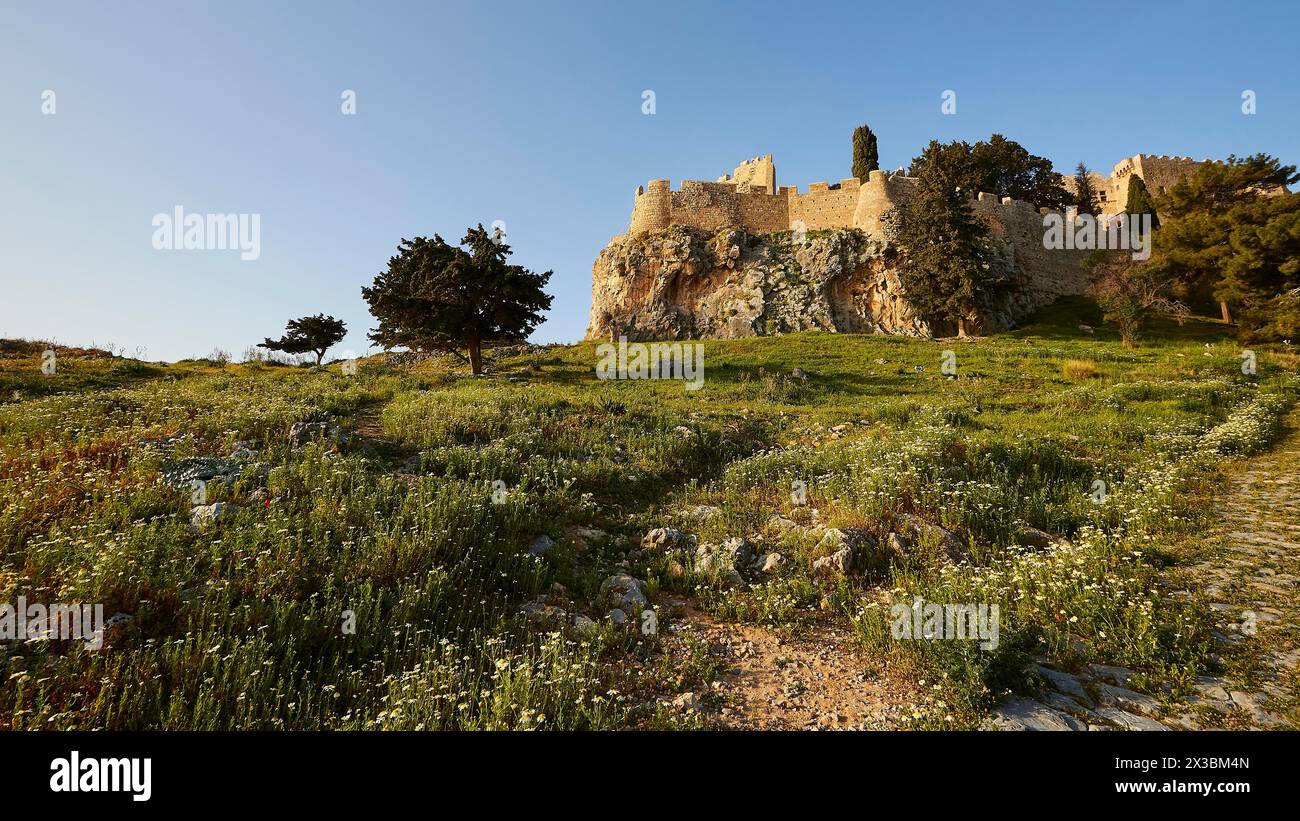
x=441 y=297
x=1230 y=231
x=998 y=166
x=310 y=334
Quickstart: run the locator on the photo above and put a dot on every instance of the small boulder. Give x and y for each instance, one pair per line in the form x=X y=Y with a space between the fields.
x=770 y=563
x=625 y=593
x=666 y=538
x=300 y=433
x=540 y=546
x=204 y=515
x=951 y=548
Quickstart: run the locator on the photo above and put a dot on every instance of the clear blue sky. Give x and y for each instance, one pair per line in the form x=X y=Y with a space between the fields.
x=530 y=113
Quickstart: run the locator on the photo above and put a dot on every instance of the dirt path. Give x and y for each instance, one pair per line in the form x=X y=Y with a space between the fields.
x=1251 y=579
x=812 y=679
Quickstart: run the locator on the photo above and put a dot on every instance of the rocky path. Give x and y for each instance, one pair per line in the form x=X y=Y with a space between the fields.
x=1247 y=569
x=811 y=679
x=1250 y=576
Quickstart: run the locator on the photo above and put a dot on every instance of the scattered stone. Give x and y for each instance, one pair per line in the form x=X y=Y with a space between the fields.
x=1025 y=714
x=584 y=626
x=617 y=616
x=201 y=468
x=687 y=702
x=625 y=593
x=781 y=524
x=1064 y=683
x=303 y=432
x=204 y=515
x=799 y=374
x=1033 y=537
x=540 y=546
x=1128 y=700
x=1128 y=721
x=539 y=612
x=666 y=538
x=919 y=530
x=1115 y=675
x=725 y=561
x=771 y=563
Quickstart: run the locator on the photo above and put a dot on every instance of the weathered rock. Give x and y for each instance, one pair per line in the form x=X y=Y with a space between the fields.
x=182 y=472
x=781 y=524
x=617 y=616
x=687 y=283
x=687 y=702
x=204 y=515
x=300 y=433
x=839 y=563
x=624 y=593
x=728 y=561
x=539 y=612
x=666 y=538
x=584 y=626
x=1025 y=714
x=1106 y=672
x=1064 y=683
x=540 y=546
x=951 y=548
x=770 y=563
x=1129 y=700
x=1033 y=537
x=1129 y=721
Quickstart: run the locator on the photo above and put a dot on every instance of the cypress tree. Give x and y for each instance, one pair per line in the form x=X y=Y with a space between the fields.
x=866 y=158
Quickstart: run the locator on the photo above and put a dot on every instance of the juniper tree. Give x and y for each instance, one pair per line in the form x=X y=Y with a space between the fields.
x=441 y=297
x=310 y=334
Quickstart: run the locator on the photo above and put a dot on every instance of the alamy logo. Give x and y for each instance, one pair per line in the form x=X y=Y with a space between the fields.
x=1084 y=232
x=656 y=360
x=208 y=232
x=77 y=774
x=24 y=622
x=930 y=621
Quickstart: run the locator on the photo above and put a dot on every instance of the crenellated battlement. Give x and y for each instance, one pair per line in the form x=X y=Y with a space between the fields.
x=750 y=199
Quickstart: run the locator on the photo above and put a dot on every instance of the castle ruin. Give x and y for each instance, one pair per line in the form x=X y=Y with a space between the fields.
x=684 y=269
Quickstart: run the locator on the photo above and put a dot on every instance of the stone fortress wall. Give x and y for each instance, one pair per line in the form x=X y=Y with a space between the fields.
x=1157 y=171
x=748 y=198
x=655 y=283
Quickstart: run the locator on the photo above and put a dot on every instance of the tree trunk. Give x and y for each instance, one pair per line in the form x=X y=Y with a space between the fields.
x=1226 y=311
x=475 y=357
x=961 y=326
x=319 y=356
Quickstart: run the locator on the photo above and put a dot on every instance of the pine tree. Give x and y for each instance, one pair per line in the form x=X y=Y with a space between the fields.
x=437 y=296
x=1085 y=196
x=866 y=158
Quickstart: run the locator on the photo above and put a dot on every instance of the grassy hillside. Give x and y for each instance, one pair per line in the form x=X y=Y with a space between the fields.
x=378 y=582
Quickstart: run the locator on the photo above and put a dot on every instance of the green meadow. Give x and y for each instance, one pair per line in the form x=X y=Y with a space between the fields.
x=377 y=582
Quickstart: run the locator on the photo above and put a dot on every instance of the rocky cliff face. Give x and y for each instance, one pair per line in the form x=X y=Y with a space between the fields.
x=683 y=283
